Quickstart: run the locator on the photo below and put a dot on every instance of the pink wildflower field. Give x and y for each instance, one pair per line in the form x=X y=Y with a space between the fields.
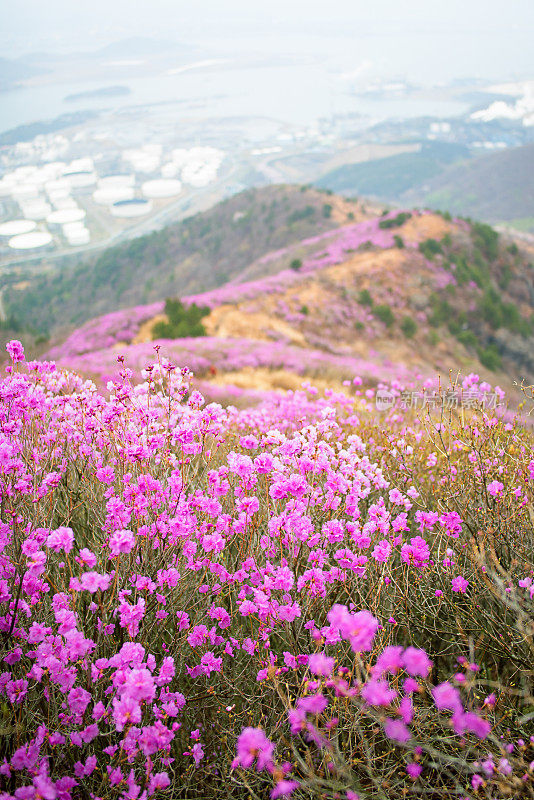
x=302 y=599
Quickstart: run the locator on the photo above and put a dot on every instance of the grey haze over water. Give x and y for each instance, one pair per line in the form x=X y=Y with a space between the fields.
x=333 y=45
x=433 y=40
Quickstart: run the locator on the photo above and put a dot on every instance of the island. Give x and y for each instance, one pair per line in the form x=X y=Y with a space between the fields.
x=105 y=91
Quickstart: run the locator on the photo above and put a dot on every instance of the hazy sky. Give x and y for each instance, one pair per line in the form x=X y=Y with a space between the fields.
x=483 y=34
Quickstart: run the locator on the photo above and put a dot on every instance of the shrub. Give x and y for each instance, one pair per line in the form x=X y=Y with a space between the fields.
x=301 y=214
x=384 y=314
x=486 y=239
x=183 y=321
x=327 y=210
x=503 y=315
x=295 y=264
x=395 y=222
x=442 y=311
x=467 y=338
x=408 y=327
x=430 y=248
x=364 y=298
x=505 y=277
x=490 y=357
x=399 y=241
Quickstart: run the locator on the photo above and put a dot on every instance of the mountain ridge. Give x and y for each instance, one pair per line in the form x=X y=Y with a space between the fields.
x=396 y=297
x=197 y=254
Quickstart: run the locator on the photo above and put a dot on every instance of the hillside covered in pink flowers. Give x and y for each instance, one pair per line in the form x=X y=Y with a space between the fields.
x=404 y=296
x=288 y=555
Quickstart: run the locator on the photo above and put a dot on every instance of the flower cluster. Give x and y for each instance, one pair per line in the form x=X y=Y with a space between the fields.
x=178 y=579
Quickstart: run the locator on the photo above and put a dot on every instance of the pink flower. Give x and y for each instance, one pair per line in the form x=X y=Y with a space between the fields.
x=252 y=744
x=505 y=767
x=16 y=690
x=495 y=488
x=83 y=770
x=93 y=581
x=126 y=711
x=414 y=770
x=284 y=788
x=78 y=700
x=85 y=556
x=406 y=709
x=389 y=660
x=459 y=584
x=210 y=663
x=359 y=629
x=477 y=781
x=416 y=553
x=139 y=685
x=105 y=475
x=121 y=542
x=61 y=539
x=313 y=704
x=198 y=753
x=320 y=664
x=378 y=693
x=416 y=662
x=396 y=729
x=447 y=697
x=382 y=551
x=15 y=350
x=160 y=780
x=477 y=725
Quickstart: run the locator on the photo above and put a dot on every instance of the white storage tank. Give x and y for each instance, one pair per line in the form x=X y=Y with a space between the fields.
x=63 y=215
x=179 y=156
x=81 y=178
x=169 y=170
x=136 y=207
x=30 y=241
x=85 y=164
x=25 y=191
x=59 y=185
x=68 y=227
x=36 y=209
x=107 y=195
x=17 y=226
x=78 y=236
x=119 y=179
x=61 y=199
x=162 y=187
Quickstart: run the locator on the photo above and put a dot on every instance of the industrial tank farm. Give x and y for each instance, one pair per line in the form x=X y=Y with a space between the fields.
x=72 y=203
